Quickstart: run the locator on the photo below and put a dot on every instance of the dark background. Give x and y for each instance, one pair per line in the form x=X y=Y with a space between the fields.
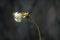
x=46 y=13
